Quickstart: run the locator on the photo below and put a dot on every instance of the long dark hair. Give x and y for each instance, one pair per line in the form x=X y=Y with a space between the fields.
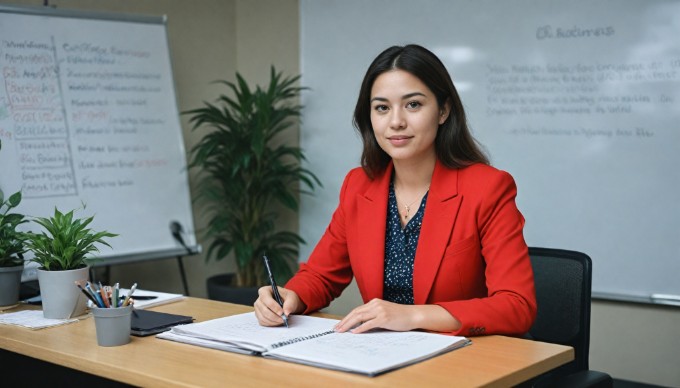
x=454 y=145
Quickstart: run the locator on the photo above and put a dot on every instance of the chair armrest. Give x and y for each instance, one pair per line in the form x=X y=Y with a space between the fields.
x=587 y=378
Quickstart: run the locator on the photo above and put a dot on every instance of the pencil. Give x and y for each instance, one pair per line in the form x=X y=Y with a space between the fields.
x=88 y=295
x=104 y=297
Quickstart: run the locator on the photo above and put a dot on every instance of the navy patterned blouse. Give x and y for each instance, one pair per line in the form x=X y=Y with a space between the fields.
x=400 y=251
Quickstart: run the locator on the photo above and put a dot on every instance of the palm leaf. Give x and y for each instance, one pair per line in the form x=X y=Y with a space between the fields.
x=244 y=171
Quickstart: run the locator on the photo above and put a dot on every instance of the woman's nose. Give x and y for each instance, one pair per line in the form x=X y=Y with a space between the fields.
x=397 y=120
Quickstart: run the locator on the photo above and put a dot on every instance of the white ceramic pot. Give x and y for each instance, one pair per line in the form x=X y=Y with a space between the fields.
x=61 y=298
x=10 y=282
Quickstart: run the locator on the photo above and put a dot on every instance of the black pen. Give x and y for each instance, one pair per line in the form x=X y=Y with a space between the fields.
x=140 y=297
x=88 y=295
x=275 y=289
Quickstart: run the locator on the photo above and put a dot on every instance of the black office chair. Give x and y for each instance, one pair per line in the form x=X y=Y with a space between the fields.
x=563 y=279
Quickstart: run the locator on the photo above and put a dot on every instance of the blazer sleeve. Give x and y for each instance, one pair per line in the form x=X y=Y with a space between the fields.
x=510 y=306
x=327 y=272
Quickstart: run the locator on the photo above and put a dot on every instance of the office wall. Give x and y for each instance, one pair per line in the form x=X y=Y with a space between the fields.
x=636 y=342
x=211 y=39
x=340 y=38
x=202 y=41
x=202 y=44
x=268 y=34
x=577 y=86
x=632 y=342
x=208 y=40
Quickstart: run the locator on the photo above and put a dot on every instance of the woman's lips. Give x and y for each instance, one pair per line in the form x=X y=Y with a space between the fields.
x=399 y=140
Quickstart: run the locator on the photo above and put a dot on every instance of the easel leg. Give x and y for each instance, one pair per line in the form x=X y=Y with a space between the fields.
x=183 y=275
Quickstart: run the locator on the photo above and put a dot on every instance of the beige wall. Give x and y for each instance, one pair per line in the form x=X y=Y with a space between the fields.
x=211 y=39
x=267 y=34
x=636 y=342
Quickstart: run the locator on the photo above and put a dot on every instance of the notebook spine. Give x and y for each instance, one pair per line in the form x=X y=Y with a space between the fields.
x=299 y=339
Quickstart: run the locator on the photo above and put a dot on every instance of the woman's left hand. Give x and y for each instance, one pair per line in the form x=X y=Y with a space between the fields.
x=378 y=314
x=397 y=317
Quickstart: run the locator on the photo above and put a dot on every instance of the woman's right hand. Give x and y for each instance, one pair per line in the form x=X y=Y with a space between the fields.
x=268 y=311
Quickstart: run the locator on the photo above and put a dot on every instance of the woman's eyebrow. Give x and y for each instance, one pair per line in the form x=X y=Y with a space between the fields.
x=404 y=97
x=407 y=96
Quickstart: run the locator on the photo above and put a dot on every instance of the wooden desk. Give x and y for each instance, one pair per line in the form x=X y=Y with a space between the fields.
x=494 y=361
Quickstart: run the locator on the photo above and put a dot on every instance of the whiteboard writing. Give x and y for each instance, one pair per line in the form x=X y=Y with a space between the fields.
x=88 y=117
x=578 y=101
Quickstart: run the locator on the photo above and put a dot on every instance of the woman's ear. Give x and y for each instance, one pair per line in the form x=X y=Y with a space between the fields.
x=444 y=112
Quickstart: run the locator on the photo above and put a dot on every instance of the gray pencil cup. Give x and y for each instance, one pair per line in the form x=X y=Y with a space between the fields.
x=113 y=325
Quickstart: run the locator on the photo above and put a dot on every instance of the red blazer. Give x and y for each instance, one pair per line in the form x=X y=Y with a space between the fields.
x=471 y=258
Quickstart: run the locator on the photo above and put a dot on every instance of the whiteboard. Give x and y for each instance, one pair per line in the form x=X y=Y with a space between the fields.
x=89 y=121
x=578 y=100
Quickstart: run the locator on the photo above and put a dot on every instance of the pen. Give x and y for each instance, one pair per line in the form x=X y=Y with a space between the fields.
x=89 y=291
x=127 y=298
x=140 y=297
x=101 y=295
x=114 y=297
x=100 y=303
x=275 y=289
x=87 y=294
x=105 y=297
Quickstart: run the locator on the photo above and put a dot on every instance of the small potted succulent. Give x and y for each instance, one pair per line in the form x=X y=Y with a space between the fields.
x=12 y=249
x=63 y=252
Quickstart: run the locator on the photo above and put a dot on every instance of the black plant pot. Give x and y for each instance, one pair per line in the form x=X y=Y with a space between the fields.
x=220 y=288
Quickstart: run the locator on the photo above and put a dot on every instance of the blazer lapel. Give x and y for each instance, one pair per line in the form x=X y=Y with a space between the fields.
x=372 y=207
x=441 y=210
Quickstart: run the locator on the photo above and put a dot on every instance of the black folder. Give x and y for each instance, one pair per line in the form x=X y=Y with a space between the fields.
x=146 y=322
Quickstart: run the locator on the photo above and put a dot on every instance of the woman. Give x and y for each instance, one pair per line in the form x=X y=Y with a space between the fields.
x=430 y=231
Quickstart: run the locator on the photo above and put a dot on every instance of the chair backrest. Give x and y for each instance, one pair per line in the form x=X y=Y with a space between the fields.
x=563 y=280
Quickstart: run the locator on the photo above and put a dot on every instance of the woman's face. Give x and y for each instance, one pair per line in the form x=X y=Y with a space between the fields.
x=405 y=116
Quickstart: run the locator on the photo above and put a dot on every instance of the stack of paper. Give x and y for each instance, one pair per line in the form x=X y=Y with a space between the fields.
x=146 y=298
x=32 y=319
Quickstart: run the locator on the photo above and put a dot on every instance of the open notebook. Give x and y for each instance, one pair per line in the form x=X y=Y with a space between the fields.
x=312 y=341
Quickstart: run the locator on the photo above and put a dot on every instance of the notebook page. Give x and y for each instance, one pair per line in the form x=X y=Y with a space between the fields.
x=244 y=331
x=368 y=353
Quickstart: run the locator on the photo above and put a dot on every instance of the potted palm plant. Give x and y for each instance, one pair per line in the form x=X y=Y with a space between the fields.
x=63 y=252
x=246 y=175
x=12 y=248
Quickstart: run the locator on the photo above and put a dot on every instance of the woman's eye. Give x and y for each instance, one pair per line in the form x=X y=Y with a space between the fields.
x=413 y=104
x=380 y=108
